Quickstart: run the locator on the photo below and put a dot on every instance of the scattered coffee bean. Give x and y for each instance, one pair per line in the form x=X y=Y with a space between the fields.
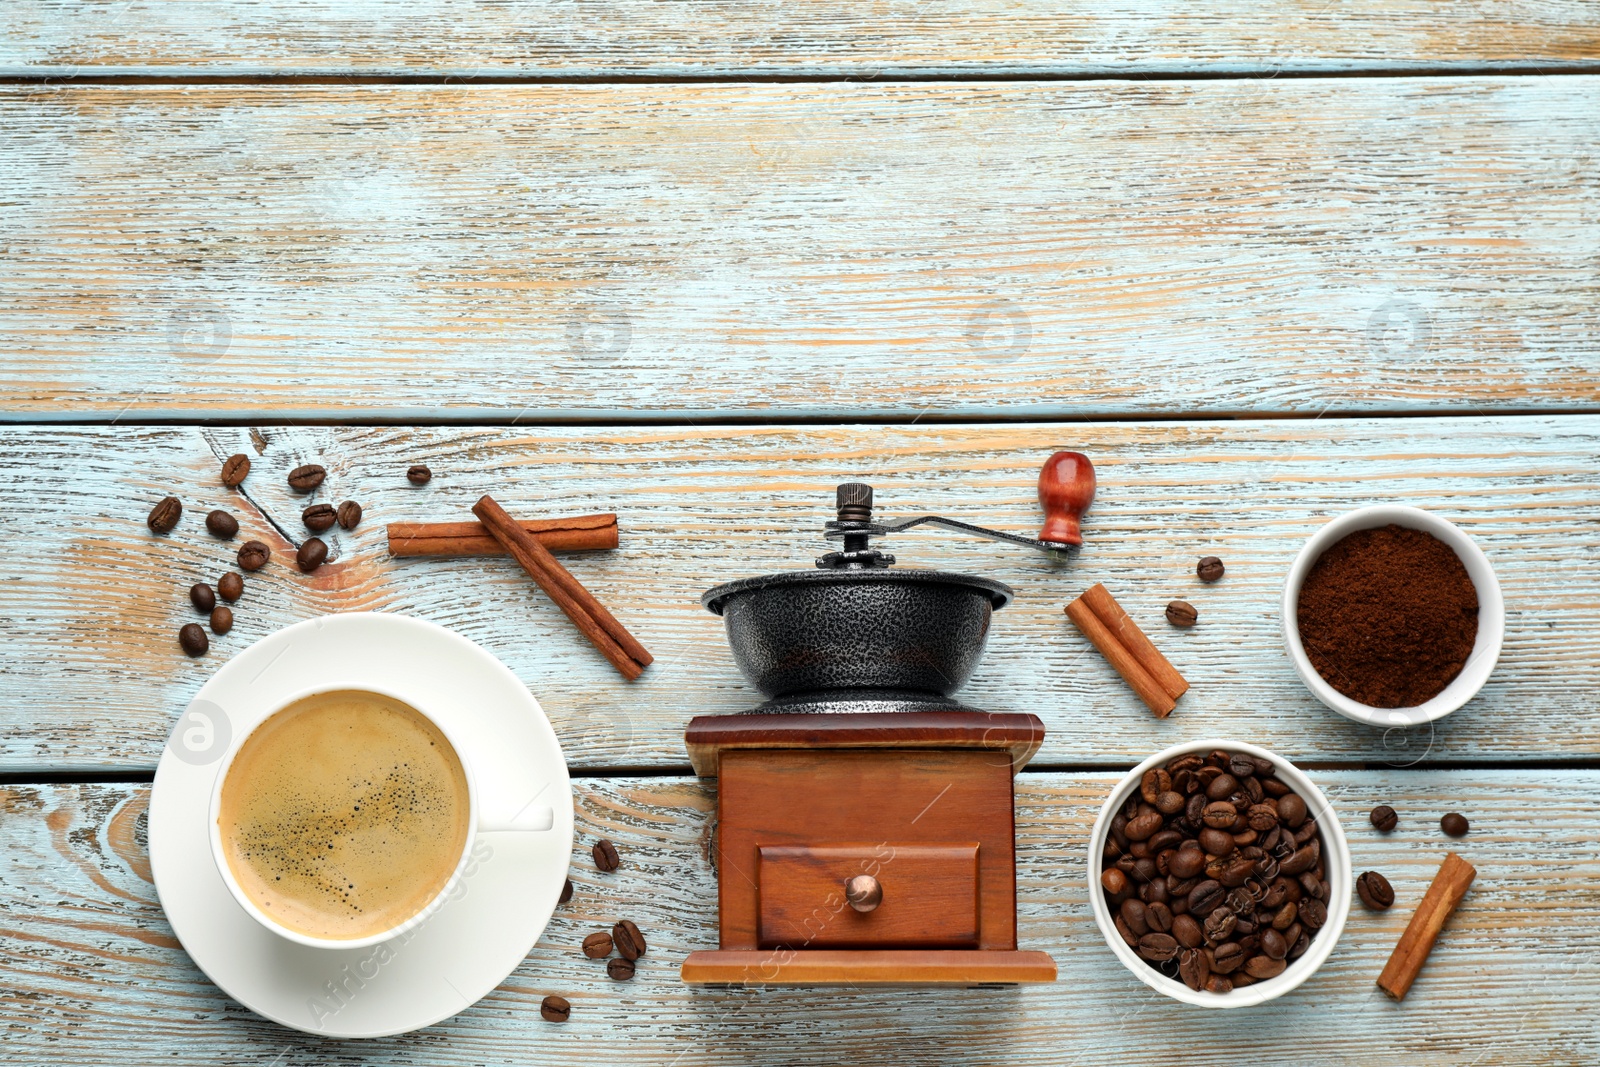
x=165 y=515
x=566 y=892
x=306 y=477
x=1384 y=818
x=1375 y=891
x=349 y=515
x=221 y=619
x=313 y=553
x=605 y=855
x=555 y=1009
x=419 y=475
x=1455 y=824
x=1215 y=865
x=620 y=969
x=222 y=525
x=630 y=942
x=597 y=946
x=234 y=469
x=253 y=555
x=193 y=639
x=319 y=517
x=1181 y=613
x=201 y=596
x=230 y=587
x=1209 y=569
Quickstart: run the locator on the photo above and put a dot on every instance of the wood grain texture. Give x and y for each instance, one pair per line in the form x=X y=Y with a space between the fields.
x=636 y=252
x=879 y=38
x=93 y=976
x=91 y=602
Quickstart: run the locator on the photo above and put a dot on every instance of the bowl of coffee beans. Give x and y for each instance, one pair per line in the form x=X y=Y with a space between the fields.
x=1392 y=616
x=1219 y=874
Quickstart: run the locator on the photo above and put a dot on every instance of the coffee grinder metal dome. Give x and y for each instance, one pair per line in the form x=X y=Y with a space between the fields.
x=867 y=813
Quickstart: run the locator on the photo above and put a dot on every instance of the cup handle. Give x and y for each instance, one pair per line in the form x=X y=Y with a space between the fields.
x=528 y=820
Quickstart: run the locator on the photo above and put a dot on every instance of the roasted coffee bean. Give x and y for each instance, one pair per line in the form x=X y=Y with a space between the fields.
x=1193 y=968
x=1274 y=787
x=222 y=525
x=1153 y=784
x=1253 y=790
x=1209 y=569
x=1170 y=803
x=566 y=891
x=597 y=946
x=234 y=469
x=1237 y=872
x=193 y=639
x=1375 y=891
x=1277 y=892
x=1187 y=863
x=1187 y=932
x=1157 y=914
x=1227 y=958
x=1218 y=983
x=1303 y=859
x=1313 y=913
x=1127 y=935
x=1133 y=913
x=1307 y=831
x=1113 y=881
x=1291 y=810
x=1163 y=840
x=630 y=942
x=1195 y=807
x=230 y=586
x=306 y=477
x=1143 y=825
x=1242 y=766
x=313 y=553
x=1189 y=761
x=221 y=619
x=1221 y=787
x=1205 y=897
x=1220 y=924
x=1455 y=824
x=555 y=1009
x=1182 y=613
x=1264 y=967
x=1284 y=917
x=1154 y=892
x=1241 y=979
x=1384 y=818
x=620 y=968
x=1158 y=947
x=1216 y=842
x=349 y=515
x=418 y=474
x=1313 y=886
x=1262 y=817
x=319 y=517
x=1273 y=946
x=1220 y=815
x=605 y=855
x=1302 y=943
x=253 y=555
x=203 y=599
x=165 y=515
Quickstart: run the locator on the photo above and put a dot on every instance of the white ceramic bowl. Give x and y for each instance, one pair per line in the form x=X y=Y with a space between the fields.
x=1491 y=615
x=1335 y=855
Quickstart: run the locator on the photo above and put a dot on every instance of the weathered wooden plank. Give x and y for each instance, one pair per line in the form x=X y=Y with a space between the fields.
x=91 y=602
x=886 y=37
x=631 y=252
x=92 y=974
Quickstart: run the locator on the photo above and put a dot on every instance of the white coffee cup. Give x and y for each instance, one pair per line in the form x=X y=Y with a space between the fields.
x=529 y=820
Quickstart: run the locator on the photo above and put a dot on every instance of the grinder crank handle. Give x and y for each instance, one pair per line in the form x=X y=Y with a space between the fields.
x=1066 y=488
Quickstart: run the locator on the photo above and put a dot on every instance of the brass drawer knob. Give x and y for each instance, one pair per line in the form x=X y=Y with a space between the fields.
x=863 y=892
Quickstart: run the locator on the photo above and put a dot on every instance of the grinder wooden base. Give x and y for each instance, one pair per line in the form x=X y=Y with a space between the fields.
x=917 y=808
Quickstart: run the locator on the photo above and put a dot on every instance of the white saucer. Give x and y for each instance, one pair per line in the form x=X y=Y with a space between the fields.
x=507 y=895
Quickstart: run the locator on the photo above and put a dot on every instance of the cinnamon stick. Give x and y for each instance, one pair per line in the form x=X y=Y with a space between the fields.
x=1126 y=664
x=588 y=614
x=577 y=533
x=1405 y=963
x=1121 y=624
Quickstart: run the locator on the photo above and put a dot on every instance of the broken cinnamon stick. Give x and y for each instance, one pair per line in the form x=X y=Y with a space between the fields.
x=1405 y=963
x=578 y=533
x=1125 y=663
x=1121 y=624
x=588 y=614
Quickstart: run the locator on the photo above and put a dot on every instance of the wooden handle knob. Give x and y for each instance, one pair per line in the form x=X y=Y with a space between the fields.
x=1066 y=487
x=863 y=892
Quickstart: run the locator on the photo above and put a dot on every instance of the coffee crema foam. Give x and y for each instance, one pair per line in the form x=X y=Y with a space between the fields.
x=344 y=814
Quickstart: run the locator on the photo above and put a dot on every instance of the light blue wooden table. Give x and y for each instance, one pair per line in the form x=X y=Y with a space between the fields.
x=696 y=263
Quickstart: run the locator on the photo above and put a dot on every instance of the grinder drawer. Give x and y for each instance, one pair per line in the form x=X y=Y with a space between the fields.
x=928 y=896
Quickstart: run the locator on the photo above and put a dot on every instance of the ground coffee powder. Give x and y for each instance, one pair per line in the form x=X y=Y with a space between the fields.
x=1388 y=616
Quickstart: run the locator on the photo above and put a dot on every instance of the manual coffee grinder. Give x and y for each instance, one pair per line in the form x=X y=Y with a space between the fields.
x=864 y=816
